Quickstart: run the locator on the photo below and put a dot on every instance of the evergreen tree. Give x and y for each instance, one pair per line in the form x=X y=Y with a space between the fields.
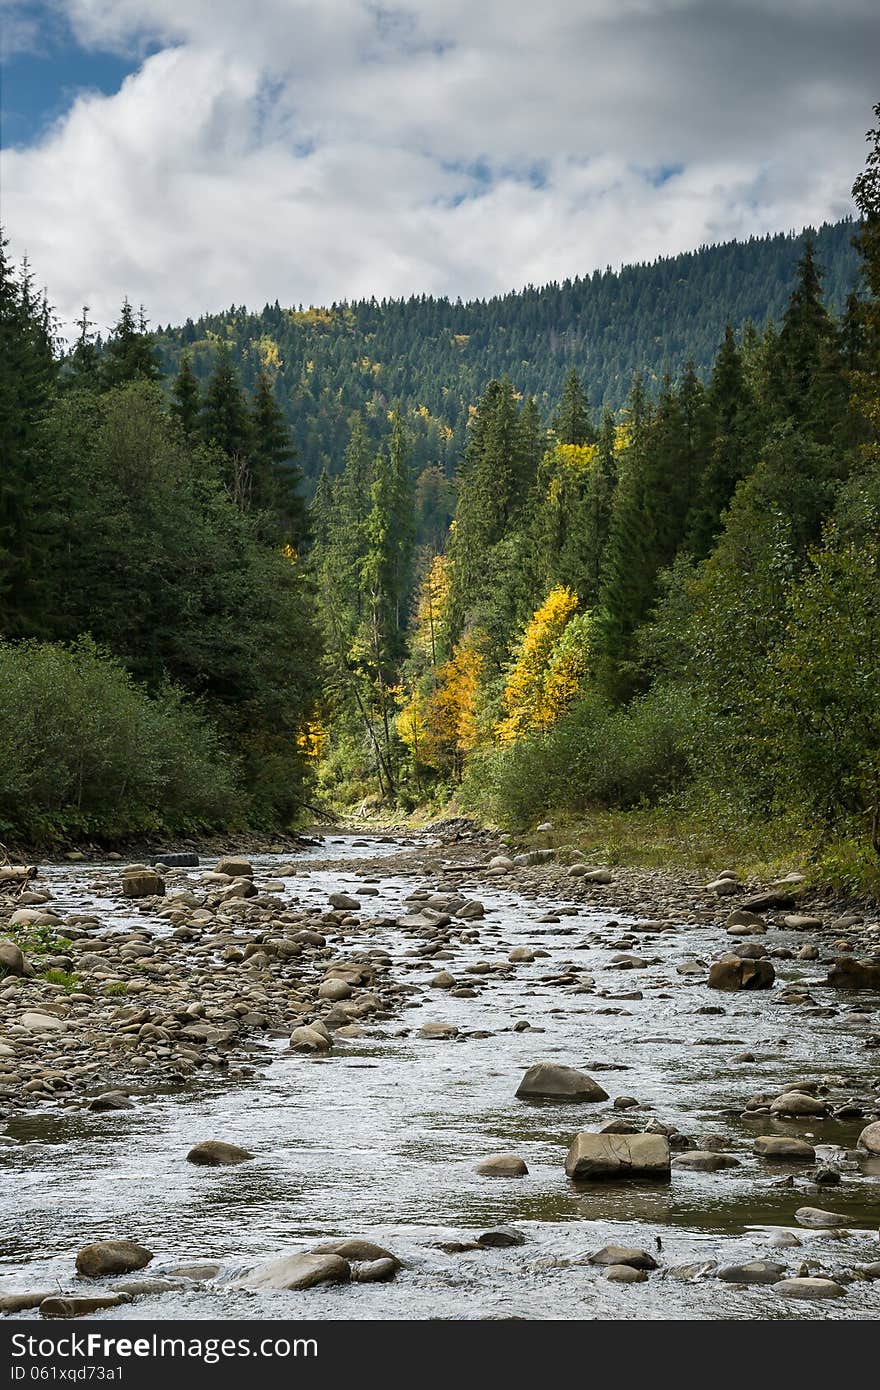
x=275 y=477
x=572 y=423
x=27 y=374
x=806 y=382
x=186 y=397
x=226 y=425
x=84 y=363
x=130 y=354
x=731 y=454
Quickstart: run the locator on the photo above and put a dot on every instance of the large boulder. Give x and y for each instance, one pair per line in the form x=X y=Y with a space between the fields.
x=297 y=1272
x=549 y=1081
x=235 y=867
x=355 y=1251
x=214 y=1153
x=614 y=1156
x=754 y=1272
x=819 y=1219
x=143 y=883
x=12 y=961
x=809 y=1288
x=734 y=973
x=848 y=973
x=798 y=1105
x=344 y=902
x=111 y=1257
x=80 y=1305
x=870 y=1138
x=623 y=1255
x=781 y=1147
x=502 y=1166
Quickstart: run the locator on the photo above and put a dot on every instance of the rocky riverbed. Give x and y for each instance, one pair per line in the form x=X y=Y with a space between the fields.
x=436 y=1078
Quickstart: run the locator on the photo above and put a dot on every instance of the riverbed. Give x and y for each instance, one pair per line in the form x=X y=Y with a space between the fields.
x=380 y=1137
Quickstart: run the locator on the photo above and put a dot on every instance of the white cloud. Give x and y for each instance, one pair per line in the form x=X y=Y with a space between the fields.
x=314 y=152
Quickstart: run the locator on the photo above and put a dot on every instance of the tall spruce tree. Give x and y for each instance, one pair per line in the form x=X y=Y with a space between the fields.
x=572 y=423
x=27 y=374
x=226 y=425
x=276 y=479
x=186 y=397
x=130 y=354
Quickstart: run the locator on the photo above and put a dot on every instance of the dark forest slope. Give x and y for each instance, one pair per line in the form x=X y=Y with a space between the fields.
x=436 y=356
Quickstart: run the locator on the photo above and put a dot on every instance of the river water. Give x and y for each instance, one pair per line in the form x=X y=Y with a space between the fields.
x=380 y=1138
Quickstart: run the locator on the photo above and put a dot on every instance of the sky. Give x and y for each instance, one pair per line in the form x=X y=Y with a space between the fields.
x=193 y=154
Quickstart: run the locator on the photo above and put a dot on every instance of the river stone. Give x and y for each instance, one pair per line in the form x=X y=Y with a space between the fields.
x=438 y=1031
x=144 y=883
x=12 y=961
x=500 y=861
x=848 y=973
x=80 y=1305
x=334 y=990
x=623 y=1255
x=502 y=1166
x=870 y=1138
x=797 y=923
x=500 y=1238
x=309 y=1040
x=823 y=1220
x=443 y=980
x=625 y=1274
x=111 y=1257
x=297 y=1272
x=809 y=1288
x=214 y=1153
x=734 y=973
x=356 y=1251
x=724 y=887
x=234 y=867
x=549 y=1081
x=111 y=1100
x=740 y=917
x=22 y=1302
x=344 y=902
x=755 y=1272
x=471 y=911
x=375 y=1271
x=796 y=1103
x=618 y=1156
x=41 y=1023
x=704 y=1161
x=779 y=1146
x=773 y=897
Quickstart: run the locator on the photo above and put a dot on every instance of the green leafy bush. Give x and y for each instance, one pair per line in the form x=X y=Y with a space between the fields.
x=596 y=756
x=85 y=749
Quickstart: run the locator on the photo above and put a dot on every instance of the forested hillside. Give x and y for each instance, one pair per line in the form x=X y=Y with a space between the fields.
x=435 y=357
x=676 y=604
x=516 y=584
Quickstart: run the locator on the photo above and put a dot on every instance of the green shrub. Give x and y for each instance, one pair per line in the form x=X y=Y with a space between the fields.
x=85 y=750
x=597 y=756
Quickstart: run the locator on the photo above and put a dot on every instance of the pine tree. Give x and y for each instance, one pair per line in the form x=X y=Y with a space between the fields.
x=226 y=425
x=83 y=366
x=572 y=423
x=186 y=397
x=130 y=354
x=275 y=478
x=27 y=374
x=732 y=451
x=806 y=382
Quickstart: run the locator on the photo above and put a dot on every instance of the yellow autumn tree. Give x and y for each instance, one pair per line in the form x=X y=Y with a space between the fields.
x=549 y=665
x=431 y=609
x=440 y=727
